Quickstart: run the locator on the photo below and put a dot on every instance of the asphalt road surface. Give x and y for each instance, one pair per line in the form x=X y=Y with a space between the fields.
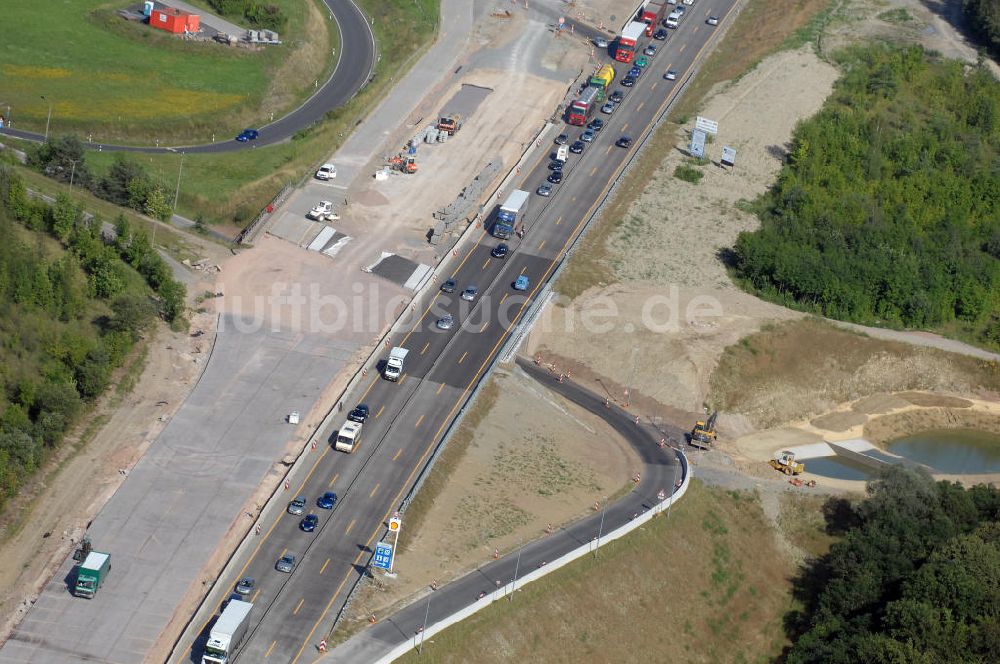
x=292 y=612
x=354 y=68
x=662 y=469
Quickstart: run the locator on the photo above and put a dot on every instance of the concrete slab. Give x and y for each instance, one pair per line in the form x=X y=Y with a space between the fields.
x=466 y=100
x=169 y=516
x=395 y=268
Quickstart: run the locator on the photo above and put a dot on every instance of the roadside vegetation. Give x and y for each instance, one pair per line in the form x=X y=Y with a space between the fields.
x=887 y=211
x=913 y=579
x=715 y=587
x=984 y=20
x=72 y=306
x=122 y=81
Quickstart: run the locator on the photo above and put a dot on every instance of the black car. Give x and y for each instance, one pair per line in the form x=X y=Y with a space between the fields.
x=624 y=142
x=596 y=124
x=628 y=81
x=617 y=96
x=562 y=139
x=660 y=35
x=577 y=147
x=359 y=414
x=500 y=251
x=555 y=177
x=448 y=286
x=556 y=167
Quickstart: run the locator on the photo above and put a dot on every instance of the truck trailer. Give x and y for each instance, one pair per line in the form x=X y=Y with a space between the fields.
x=581 y=109
x=625 y=46
x=510 y=214
x=228 y=632
x=651 y=14
x=394 y=365
x=90 y=574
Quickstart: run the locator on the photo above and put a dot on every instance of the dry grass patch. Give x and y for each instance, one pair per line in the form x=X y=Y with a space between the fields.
x=802 y=368
x=707 y=585
x=802 y=522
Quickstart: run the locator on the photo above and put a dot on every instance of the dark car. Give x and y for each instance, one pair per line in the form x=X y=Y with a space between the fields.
x=500 y=251
x=327 y=500
x=309 y=523
x=544 y=191
x=635 y=71
x=562 y=139
x=617 y=96
x=628 y=81
x=624 y=142
x=248 y=135
x=660 y=35
x=577 y=147
x=556 y=166
x=596 y=124
x=448 y=286
x=359 y=414
x=245 y=586
x=588 y=136
x=555 y=177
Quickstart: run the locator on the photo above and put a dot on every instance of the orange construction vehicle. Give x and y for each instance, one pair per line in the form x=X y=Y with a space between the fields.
x=450 y=123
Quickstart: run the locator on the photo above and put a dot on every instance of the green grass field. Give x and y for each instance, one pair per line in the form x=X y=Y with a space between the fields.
x=218 y=186
x=125 y=81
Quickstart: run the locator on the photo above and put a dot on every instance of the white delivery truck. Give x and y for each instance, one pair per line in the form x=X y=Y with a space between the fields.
x=394 y=365
x=349 y=437
x=227 y=633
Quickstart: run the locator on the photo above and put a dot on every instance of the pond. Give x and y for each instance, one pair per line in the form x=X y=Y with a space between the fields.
x=952 y=451
x=838 y=468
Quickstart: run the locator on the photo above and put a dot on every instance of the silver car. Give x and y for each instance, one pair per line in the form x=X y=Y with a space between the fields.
x=608 y=108
x=297 y=506
x=447 y=321
x=469 y=294
x=245 y=586
x=285 y=564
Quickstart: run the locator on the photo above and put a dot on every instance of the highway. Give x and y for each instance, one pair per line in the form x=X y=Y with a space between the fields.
x=293 y=612
x=662 y=470
x=354 y=67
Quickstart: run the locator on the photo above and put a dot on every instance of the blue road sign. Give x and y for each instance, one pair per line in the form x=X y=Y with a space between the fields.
x=383 y=555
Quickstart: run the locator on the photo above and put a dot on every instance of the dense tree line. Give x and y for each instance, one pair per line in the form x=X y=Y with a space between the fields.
x=258 y=14
x=915 y=579
x=126 y=183
x=888 y=208
x=70 y=311
x=984 y=20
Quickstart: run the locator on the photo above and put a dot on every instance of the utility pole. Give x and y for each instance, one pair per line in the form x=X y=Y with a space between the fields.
x=177 y=192
x=517 y=565
x=49 y=119
x=423 y=627
x=71 y=174
x=600 y=529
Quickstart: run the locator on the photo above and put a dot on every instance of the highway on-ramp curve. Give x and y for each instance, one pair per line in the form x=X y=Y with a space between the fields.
x=293 y=612
x=663 y=468
x=355 y=65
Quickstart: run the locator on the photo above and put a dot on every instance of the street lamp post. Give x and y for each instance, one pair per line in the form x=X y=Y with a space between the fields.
x=71 y=174
x=600 y=529
x=48 y=120
x=423 y=628
x=517 y=565
x=177 y=192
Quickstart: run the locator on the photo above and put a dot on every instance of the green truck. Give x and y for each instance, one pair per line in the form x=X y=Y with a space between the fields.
x=90 y=574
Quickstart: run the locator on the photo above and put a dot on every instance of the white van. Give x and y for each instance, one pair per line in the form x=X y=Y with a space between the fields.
x=673 y=20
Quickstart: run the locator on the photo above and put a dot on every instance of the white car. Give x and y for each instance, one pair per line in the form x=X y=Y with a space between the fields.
x=608 y=108
x=601 y=42
x=671 y=75
x=326 y=172
x=713 y=20
x=322 y=211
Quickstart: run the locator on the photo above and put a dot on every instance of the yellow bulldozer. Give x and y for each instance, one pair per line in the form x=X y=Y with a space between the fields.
x=785 y=462
x=703 y=434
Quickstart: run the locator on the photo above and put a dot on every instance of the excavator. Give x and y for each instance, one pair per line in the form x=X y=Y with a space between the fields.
x=450 y=123
x=785 y=462
x=703 y=433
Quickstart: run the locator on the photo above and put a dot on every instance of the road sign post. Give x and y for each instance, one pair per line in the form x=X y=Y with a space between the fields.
x=383 y=556
x=395 y=525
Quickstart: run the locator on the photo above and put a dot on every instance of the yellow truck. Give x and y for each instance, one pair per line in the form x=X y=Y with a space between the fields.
x=602 y=80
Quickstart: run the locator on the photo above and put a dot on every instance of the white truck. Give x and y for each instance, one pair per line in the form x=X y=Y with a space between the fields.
x=349 y=437
x=228 y=632
x=323 y=211
x=394 y=365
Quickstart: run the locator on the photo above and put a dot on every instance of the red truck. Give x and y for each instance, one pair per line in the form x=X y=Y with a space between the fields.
x=625 y=46
x=583 y=107
x=651 y=14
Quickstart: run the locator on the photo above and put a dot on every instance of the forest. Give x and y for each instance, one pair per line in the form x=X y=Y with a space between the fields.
x=915 y=578
x=887 y=210
x=73 y=302
x=984 y=20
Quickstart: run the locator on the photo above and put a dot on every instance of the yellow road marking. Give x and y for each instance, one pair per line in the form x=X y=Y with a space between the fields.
x=524 y=269
x=268 y=653
x=624 y=126
x=375 y=490
x=608 y=151
x=639 y=107
x=323 y=568
x=484 y=326
x=402 y=378
x=461 y=359
x=485 y=263
x=350 y=526
x=419 y=420
x=299 y=606
x=283 y=552
x=440 y=388
x=652 y=87
x=559 y=220
x=424 y=349
x=380 y=409
x=461 y=397
x=254 y=599
x=592 y=172
x=504 y=297
x=541 y=245
x=398 y=452
x=681 y=49
x=338 y=474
